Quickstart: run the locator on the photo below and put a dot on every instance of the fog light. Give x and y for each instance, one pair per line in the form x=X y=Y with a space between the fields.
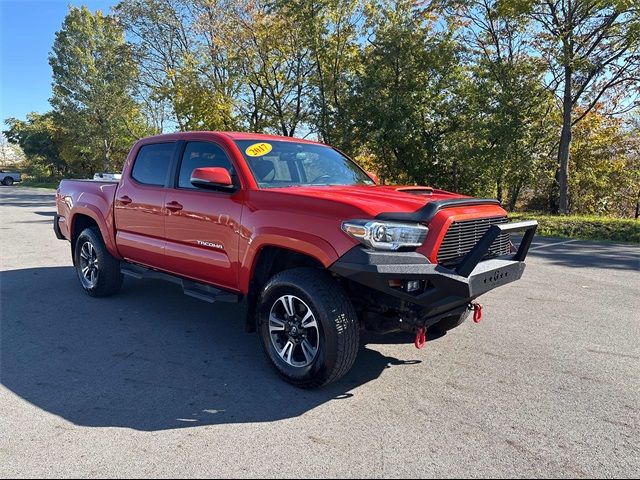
x=413 y=285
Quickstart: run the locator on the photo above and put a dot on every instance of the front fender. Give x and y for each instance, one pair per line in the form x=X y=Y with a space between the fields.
x=300 y=242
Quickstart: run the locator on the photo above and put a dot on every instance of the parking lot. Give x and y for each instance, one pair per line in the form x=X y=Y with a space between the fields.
x=154 y=383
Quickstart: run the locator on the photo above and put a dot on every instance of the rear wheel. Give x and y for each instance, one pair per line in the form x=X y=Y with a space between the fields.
x=98 y=271
x=8 y=181
x=307 y=327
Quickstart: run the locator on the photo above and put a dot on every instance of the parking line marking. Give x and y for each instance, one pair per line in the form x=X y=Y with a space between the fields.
x=552 y=244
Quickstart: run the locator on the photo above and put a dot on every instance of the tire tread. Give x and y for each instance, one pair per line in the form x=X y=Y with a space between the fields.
x=329 y=293
x=110 y=279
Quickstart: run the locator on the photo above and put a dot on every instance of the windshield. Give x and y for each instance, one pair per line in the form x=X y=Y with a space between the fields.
x=284 y=164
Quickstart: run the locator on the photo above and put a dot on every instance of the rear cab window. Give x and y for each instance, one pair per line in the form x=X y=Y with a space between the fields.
x=153 y=164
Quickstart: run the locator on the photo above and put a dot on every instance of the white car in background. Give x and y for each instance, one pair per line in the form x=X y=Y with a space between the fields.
x=107 y=177
x=9 y=178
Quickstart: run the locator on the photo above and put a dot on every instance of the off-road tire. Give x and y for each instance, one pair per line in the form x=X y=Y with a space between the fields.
x=339 y=331
x=109 y=277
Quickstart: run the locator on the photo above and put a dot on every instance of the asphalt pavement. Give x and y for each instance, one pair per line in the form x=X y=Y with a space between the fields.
x=157 y=384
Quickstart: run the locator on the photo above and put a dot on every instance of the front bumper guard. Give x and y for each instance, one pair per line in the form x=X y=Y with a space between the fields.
x=445 y=289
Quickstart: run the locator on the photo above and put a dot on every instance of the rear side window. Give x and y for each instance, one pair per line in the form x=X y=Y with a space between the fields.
x=198 y=155
x=152 y=163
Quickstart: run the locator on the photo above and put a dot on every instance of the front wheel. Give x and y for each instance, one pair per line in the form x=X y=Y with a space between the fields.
x=98 y=271
x=8 y=181
x=307 y=327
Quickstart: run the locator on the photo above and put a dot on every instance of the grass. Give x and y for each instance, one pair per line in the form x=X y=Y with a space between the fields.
x=584 y=227
x=31 y=183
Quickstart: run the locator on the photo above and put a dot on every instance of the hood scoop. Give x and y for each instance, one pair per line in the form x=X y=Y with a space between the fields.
x=425 y=191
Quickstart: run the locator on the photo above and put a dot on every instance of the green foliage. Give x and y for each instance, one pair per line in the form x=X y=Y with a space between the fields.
x=584 y=227
x=406 y=99
x=38 y=184
x=465 y=95
x=93 y=77
x=331 y=35
x=508 y=126
x=605 y=168
x=40 y=138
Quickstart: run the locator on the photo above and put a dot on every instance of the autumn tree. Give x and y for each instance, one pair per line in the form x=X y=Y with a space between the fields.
x=41 y=139
x=331 y=31
x=406 y=104
x=509 y=115
x=11 y=154
x=93 y=77
x=605 y=167
x=162 y=43
x=592 y=51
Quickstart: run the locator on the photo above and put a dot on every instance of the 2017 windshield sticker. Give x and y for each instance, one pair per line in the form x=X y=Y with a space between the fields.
x=258 y=149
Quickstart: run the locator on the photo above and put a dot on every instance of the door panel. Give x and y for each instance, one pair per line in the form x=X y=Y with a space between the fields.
x=201 y=228
x=139 y=206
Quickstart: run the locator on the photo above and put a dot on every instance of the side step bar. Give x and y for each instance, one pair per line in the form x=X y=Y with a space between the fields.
x=197 y=290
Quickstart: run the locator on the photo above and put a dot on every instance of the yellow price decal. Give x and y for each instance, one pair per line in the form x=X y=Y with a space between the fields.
x=258 y=149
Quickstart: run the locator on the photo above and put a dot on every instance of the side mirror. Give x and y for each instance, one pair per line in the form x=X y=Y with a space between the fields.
x=213 y=178
x=374 y=177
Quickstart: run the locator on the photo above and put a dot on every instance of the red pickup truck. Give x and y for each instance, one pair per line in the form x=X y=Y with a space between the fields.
x=298 y=234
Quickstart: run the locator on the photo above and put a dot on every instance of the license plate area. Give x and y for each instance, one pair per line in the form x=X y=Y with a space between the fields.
x=488 y=279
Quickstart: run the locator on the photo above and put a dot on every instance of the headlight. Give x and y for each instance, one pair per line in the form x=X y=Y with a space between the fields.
x=386 y=235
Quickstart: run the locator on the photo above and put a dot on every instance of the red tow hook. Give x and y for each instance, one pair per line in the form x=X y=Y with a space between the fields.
x=477 y=312
x=421 y=338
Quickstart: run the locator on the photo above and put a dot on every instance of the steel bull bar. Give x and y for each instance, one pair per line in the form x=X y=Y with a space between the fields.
x=447 y=291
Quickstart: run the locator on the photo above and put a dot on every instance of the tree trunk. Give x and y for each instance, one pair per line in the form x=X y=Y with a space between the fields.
x=565 y=143
x=105 y=159
x=514 y=193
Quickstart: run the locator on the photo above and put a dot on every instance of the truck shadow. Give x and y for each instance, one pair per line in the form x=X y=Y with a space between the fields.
x=149 y=358
x=16 y=197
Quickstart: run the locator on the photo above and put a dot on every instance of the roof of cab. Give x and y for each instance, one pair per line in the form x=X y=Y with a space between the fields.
x=232 y=136
x=263 y=136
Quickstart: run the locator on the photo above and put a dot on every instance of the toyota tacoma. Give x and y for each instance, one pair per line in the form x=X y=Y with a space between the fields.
x=295 y=232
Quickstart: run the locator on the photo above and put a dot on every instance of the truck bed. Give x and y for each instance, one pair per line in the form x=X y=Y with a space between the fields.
x=87 y=196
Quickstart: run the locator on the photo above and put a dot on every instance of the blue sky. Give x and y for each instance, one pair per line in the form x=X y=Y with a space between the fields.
x=27 y=30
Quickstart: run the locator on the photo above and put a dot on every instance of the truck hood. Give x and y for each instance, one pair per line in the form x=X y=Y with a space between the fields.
x=374 y=199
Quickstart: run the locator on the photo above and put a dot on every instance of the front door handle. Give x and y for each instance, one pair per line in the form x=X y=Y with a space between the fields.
x=125 y=200
x=173 y=206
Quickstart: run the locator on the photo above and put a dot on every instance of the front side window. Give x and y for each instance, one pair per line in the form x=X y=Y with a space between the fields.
x=284 y=164
x=199 y=155
x=152 y=163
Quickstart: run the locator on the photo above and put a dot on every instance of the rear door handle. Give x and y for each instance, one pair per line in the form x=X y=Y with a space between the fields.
x=125 y=200
x=173 y=206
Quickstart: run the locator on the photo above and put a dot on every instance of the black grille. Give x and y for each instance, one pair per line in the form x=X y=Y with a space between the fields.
x=463 y=236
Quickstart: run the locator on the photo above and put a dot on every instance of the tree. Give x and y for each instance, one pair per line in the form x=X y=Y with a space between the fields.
x=163 y=39
x=508 y=113
x=93 y=78
x=276 y=65
x=41 y=139
x=11 y=155
x=605 y=167
x=406 y=104
x=331 y=33
x=592 y=49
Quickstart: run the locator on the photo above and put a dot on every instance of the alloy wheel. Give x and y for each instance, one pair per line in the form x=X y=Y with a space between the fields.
x=294 y=332
x=88 y=265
